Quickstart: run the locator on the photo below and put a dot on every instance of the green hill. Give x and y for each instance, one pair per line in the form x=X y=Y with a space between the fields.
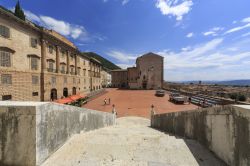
x=106 y=63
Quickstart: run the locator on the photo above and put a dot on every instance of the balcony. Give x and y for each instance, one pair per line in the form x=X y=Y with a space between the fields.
x=51 y=70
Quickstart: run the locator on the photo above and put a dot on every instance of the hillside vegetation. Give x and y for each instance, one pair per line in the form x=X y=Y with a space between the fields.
x=106 y=63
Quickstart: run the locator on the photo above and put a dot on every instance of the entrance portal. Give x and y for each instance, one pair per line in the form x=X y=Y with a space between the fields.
x=53 y=94
x=144 y=85
x=65 y=92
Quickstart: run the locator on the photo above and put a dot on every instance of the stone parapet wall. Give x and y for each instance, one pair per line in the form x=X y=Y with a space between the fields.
x=31 y=131
x=223 y=130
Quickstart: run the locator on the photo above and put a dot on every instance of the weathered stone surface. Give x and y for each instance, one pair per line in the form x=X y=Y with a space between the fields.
x=131 y=142
x=31 y=131
x=224 y=130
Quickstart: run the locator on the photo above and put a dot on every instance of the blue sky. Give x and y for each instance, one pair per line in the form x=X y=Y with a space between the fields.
x=200 y=39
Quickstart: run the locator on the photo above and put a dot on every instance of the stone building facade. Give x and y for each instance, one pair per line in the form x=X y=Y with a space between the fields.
x=105 y=78
x=119 y=78
x=37 y=64
x=148 y=73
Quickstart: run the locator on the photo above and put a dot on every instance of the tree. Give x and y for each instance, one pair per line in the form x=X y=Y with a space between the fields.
x=19 y=11
x=242 y=97
x=233 y=96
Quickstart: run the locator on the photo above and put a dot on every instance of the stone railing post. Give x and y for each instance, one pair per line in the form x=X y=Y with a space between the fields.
x=114 y=113
x=152 y=110
x=152 y=114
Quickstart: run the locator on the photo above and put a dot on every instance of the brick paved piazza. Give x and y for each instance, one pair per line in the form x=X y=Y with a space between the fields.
x=135 y=103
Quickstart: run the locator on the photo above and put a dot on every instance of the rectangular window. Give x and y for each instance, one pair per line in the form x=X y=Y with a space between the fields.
x=79 y=81
x=4 y=31
x=63 y=54
x=83 y=62
x=78 y=71
x=35 y=80
x=5 y=59
x=63 y=69
x=74 y=80
x=51 y=66
x=65 y=80
x=6 y=97
x=33 y=42
x=53 y=80
x=72 y=70
x=51 y=49
x=34 y=93
x=6 y=79
x=84 y=72
x=34 y=63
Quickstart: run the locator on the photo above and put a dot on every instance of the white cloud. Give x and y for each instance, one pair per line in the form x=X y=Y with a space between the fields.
x=233 y=49
x=173 y=8
x=124 y=66
x=207 y=61
x=121 y=56
x=62 y=27
x=212 y=60
x=246 y=20
x=246 y=34
x=213 y=31
x=237 y=28
x=31 y=16
x=124 y=2
x=184 y=49
x=189 y=35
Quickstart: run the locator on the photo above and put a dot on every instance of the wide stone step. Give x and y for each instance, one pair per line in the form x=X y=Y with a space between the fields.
x=130 y=142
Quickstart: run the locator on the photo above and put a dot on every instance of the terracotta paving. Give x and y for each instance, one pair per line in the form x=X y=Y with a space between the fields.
x=135 y=103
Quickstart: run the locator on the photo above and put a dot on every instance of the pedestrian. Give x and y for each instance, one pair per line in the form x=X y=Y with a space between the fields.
x=109 y=101
x=105 y=101
x=189 y=100
x=204 y=103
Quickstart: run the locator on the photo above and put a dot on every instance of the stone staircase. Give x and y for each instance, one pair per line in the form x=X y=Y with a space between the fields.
x=131 y=142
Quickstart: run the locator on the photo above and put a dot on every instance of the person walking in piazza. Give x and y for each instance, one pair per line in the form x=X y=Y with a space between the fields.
x=109 y=101
x=105 y=101
x=189 y=99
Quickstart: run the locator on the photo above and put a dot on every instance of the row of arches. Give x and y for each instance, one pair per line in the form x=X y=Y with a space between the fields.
x=53 y=93
x=96 y=87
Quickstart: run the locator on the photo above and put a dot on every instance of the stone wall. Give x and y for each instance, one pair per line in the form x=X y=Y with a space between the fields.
x=224 y=130
x=30 y=131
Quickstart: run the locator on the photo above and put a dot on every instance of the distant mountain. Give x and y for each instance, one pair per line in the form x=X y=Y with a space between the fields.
x=106 y=63
x=229 y=82
x=235 y=82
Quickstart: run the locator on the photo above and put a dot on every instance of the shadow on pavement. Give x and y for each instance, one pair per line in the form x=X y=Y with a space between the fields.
x=202 y=155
